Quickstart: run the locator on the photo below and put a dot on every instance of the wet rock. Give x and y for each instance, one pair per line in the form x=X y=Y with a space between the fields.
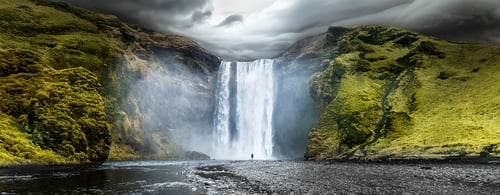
x=193 y=155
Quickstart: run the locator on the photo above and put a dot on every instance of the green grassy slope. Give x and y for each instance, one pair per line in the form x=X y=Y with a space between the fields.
x=65 y=76
x=49 y=98
x=391 y=93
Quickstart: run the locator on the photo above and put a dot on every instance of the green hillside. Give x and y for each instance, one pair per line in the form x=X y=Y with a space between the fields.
x=65 y=77
x=394 y=94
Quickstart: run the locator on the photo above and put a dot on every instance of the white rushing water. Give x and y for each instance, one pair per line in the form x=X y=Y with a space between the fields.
x=253 y=104
x=221 y=119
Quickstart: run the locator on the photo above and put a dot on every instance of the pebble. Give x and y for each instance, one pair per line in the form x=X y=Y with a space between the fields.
x=302 y=177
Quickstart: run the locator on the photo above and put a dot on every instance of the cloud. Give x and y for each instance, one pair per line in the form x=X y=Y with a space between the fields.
x=200 y=16
x=155 y=14
x=455 y=20
x=266 y=32
x=230 y=20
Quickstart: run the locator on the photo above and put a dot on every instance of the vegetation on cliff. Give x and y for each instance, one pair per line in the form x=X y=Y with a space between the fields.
x=50 y=99
x=391 y=93
x=65 y=77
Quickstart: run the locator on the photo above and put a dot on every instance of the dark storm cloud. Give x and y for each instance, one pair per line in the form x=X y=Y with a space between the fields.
x=200 y=16
x=460 y=20
x=452 y=19
x=477 y=20
x=267 y=32
x=155 y=14
x=308 y=14
x=230 y=20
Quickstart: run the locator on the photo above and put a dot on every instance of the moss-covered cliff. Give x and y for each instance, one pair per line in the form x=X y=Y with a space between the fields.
x=391 y=93
x=65 y=80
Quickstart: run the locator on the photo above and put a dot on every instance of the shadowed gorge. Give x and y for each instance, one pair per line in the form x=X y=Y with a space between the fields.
x=79 y=87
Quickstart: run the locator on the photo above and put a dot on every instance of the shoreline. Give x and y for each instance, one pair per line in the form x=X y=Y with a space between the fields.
x=441 y=160
x=415 y=160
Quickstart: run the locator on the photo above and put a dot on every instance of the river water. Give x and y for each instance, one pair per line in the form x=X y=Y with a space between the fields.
x=141 y=177
x=253 y=177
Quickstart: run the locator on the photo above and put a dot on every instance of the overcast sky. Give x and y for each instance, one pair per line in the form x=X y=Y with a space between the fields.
x=244 y=29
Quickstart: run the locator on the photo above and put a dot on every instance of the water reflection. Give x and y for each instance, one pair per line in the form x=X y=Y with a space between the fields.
x=143 y=177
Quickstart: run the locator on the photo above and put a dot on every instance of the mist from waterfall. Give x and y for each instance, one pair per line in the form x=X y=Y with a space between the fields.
x=243 y=118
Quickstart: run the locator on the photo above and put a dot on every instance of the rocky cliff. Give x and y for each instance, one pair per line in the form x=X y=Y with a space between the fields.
x=71 y=80
x=388 y=93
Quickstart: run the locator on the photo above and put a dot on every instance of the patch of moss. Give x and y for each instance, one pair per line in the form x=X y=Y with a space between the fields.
x=429 y=48
x=19 y=61
x=17 y=148
x=62 y=111
x=26 y=19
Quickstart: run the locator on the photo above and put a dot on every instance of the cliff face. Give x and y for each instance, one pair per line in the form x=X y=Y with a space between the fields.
x=391 y=93
x=68 y=82
x=294 y=110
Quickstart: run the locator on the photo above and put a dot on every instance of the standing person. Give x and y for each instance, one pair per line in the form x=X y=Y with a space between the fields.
x=251 y=156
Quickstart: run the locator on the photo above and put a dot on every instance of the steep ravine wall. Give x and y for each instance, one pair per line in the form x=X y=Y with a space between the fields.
x=294 y=110
x=395 y=94
x=73 y=82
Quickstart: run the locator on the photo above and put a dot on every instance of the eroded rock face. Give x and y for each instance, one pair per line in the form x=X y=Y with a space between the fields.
x=162 y=93
x=294 y=109
x=391 y=93
x=69 y=84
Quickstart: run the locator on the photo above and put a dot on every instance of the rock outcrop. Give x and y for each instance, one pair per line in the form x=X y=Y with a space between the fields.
x=388 y=93
x=68 y=82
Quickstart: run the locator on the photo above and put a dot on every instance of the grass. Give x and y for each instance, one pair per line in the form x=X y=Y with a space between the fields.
x=407 y=95
x=455 y=115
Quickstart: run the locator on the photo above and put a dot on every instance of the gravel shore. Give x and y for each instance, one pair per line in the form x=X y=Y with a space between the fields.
x=301 y=177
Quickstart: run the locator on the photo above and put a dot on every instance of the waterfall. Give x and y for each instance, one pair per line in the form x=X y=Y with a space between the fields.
x=221 y=118
x=253 y=100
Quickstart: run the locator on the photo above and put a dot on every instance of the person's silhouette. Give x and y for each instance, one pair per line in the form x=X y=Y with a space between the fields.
x=251 y=155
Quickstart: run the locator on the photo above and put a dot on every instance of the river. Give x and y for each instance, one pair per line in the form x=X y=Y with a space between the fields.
x=249 y=177
x=138 y=177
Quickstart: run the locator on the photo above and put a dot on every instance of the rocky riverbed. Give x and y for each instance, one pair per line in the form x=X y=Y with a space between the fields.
x=299 y=177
